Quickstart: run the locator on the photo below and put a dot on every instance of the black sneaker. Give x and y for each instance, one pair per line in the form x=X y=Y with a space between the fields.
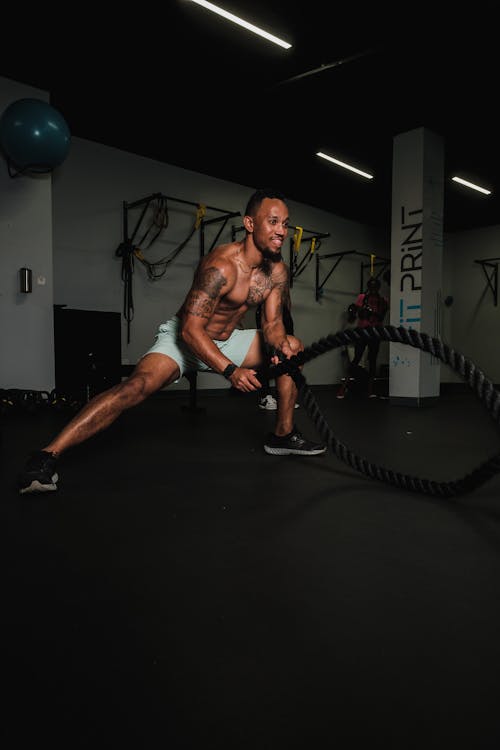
x=293 y=443
x=39 y=474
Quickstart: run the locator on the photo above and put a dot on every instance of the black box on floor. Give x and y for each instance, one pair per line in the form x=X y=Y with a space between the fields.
x=87 y=347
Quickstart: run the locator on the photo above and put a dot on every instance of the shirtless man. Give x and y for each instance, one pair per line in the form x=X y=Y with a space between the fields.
x=204 y=335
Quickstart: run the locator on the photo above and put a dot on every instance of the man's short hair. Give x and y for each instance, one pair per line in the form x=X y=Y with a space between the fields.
x=258 y=196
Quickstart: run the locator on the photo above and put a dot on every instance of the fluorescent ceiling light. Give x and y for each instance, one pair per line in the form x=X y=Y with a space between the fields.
x=241 y=22
x=344 y=165
x=471 y=185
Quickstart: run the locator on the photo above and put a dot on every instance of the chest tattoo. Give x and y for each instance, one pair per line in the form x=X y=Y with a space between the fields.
x=257 y=290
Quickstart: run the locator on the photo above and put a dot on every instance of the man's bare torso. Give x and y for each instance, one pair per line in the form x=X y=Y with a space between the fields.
x=225 y=287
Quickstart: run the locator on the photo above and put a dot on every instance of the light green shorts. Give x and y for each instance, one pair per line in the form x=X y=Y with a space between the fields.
x=168 y=341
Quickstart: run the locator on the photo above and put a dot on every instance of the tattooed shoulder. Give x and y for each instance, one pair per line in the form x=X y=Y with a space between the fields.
x=209 y=279
x=207 y=288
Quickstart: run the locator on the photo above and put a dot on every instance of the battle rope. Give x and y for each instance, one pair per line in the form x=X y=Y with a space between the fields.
x=478 y=382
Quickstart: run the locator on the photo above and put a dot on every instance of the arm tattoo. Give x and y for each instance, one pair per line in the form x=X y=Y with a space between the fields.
x=284 y=291
x=205 y=292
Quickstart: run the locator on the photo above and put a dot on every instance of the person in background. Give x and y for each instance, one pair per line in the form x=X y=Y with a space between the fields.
x=369 y=309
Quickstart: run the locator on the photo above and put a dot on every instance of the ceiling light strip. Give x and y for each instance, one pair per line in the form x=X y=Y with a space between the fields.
x=471 y=185
x=344 y=165
x=241 y=22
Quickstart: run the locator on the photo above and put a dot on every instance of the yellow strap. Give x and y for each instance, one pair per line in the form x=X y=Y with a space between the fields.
x=297 y=238
x=200 y=213
x=372 y=258
x=138 y=253
x=313 y=245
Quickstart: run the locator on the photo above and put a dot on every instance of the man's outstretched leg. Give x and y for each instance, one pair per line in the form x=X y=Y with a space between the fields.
x=153 y=372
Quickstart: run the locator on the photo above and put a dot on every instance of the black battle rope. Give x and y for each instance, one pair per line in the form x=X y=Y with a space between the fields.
x=479 y=383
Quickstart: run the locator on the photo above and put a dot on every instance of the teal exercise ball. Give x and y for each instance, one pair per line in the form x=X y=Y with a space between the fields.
x=34 y=136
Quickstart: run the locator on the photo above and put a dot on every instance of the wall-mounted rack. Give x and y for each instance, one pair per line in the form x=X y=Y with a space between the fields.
x=381 y=264
x=301 y=236
x=492 y=275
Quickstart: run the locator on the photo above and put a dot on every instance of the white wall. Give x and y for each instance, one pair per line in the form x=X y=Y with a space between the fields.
x=475 y=320
x=26 y=320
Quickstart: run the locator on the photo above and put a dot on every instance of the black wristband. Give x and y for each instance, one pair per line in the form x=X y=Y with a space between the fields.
x=229 y=370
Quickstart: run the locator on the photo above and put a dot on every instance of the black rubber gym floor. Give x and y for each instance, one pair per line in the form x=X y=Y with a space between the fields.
x=185 y=590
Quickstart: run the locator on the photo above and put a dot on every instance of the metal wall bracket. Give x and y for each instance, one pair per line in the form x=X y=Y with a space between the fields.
x=382 y=264
x=491 y=276
x=314 y=239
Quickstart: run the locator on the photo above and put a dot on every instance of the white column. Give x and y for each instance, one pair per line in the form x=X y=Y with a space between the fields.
x=416 y=261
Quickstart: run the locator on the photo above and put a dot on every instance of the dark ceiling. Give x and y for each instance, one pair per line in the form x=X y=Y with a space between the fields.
x=180 y=85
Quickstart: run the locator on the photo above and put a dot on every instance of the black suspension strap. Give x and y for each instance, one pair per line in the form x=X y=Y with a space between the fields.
x=299 y=268
x=159 y=222
x=158 y=268
x=476 y=379
x=125 y=251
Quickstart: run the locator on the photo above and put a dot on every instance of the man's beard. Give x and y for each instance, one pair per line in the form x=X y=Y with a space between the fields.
x=271 y=257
